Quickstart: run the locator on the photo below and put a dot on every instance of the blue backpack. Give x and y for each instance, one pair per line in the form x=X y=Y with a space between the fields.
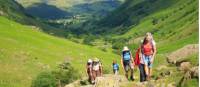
x=126 y=55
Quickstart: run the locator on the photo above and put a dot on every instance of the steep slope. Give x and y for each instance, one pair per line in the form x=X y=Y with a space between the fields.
x=171 y=21
x=177 y=25
x=25 y=52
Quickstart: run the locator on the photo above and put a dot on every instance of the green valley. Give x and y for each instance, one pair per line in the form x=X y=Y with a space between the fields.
x=38 y=35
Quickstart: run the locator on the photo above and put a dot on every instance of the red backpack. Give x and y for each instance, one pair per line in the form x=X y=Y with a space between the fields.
x=137 y=58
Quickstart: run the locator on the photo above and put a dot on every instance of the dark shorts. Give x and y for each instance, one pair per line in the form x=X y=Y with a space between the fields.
x=127 y=65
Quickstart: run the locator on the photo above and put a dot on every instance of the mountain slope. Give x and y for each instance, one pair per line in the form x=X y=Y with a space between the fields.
x=25 y=52
x=171 y=21
x=133 y=13
x=66 y=8
x=176 y=25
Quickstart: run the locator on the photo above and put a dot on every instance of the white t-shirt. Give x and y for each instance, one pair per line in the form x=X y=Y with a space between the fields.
x=96 y=66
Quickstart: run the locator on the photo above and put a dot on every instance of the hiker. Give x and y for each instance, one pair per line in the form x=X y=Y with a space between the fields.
x=115 y=67
x=89 y=71
x=127 y=62
x=148 y=50
x=96 y=68
x=140 y=63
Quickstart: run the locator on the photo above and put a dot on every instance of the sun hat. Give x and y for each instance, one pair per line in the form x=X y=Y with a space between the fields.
x=125 y=48
x=89 y=61
x=96 y=60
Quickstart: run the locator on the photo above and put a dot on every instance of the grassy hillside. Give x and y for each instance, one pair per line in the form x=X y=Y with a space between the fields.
x=26 y=51
x=177 y=25
x=171 y=21
x=133 y=13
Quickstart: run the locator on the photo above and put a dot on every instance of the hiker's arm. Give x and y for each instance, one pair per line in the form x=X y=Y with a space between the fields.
x=140 y=55
x=86 y=70
x=101 y=70
x=154 y=53
x=132 y=60
x=122 y=63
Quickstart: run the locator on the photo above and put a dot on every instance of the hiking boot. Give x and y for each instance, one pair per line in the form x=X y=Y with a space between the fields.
x=93 y=82
x=132 y=78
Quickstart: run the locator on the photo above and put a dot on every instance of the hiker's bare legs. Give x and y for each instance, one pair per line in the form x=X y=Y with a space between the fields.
x=94 y=75
x=98 y=73
x=126 y=74
x=146 y=71
x=150 y=72
x=132 y=77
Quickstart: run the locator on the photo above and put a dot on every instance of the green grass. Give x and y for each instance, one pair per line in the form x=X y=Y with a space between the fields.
x=25 y=52
x=192 y=83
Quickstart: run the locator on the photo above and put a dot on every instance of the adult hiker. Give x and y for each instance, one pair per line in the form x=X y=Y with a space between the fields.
x=148 y=52
x=127 y=62
x=140 y=63
x=96 y=68
x=89 y=71
x=115 y=67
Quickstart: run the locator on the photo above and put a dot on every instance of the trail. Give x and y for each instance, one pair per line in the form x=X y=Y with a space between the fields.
x=109 y=80
x=106 y=80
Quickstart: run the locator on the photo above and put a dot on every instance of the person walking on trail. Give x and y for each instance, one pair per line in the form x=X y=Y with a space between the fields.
x=115 y=67
x=127 y=62
x=89 y=71
x=140 y=63
x=148 y=52
x=96 y=68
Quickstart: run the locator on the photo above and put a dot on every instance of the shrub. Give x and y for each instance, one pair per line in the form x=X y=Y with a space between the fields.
x=44 y=79
x=66 y=73
x=89 y=39
x=63 y=75
x=154 y=21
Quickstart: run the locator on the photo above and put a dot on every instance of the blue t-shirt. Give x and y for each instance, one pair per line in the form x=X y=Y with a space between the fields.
x=126 y=55
x=116 y=66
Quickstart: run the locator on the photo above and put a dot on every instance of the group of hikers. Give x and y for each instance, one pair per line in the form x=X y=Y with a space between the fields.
x=94 y=69
x=144 y=58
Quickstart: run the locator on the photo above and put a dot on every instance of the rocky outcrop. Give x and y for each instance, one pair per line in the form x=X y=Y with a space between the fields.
x=185 y=66
x=180 y=54
x=194 y=72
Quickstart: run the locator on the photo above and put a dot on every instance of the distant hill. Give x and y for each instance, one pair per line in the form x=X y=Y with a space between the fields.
x=64 y=8
x=14 y=11
x=134 y=13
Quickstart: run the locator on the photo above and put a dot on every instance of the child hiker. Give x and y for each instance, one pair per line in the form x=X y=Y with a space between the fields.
x=115 y=67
